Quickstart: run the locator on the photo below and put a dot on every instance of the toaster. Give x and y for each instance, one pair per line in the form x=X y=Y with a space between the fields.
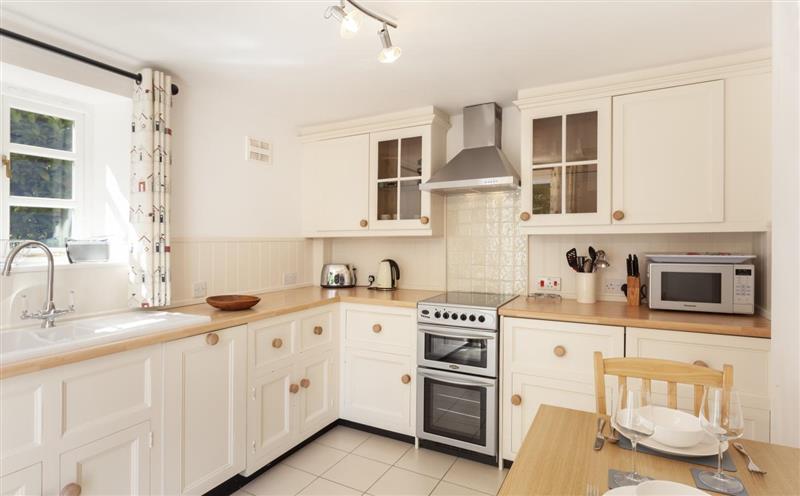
x=338 y=276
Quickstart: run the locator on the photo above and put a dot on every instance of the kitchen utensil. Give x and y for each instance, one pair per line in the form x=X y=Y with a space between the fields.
x=572 y=259
x=337 y=276
x=588 y=265
x=633 y=418
x=629 y=266
x=676 y=428
x=592 y=254
x=388 y=275
x=614 y=437
x=636 y=266
x=599 y=439
x=721 y=416
x=581 y=259
x=232 y=302
x=601 y=262
x=751 y=465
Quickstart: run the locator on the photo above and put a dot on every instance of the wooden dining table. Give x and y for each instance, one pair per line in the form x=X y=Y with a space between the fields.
x=557 y=457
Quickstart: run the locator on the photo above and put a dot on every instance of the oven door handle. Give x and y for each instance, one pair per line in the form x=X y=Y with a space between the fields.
x=450 y=380
x=457 y=334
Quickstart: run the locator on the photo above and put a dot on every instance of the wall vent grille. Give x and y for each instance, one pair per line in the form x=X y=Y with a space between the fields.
x=258 y=150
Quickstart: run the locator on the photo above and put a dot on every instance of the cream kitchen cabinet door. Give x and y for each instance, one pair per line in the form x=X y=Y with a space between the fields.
x=318 y=396
x=272 y=417
x=23 y=482
x=336 y=185
x=118 y=464
x=204 y=410
x=378 y=390
x=669 y=155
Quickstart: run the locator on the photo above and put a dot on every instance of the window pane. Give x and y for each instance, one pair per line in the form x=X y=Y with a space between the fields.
x=582 y=137
x=387 y=159
x=387 y=200
x=581 y=189
x=411 y=157
x=30 y=128
x=410 y=200
x=546 y=190
x=41 y=177
x=546 y=140
x=51 y=226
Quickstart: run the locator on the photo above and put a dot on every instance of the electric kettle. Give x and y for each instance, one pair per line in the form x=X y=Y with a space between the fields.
x=388 y=274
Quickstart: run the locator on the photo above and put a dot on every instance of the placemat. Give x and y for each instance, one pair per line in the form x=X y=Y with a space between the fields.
x=611 y=473
x=700 y=485
x=708 y=461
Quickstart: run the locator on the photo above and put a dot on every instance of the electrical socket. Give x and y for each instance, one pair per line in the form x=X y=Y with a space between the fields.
x=613 y=286
x=199 y=289
x=289 y=278
x=548 y=283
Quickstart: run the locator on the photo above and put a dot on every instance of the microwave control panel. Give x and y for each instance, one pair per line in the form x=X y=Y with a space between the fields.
x=744 y=282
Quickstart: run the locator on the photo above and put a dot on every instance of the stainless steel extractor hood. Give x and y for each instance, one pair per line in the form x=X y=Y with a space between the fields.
x=481 y=165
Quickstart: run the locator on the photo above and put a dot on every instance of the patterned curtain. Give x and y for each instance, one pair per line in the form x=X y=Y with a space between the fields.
x=149 y=279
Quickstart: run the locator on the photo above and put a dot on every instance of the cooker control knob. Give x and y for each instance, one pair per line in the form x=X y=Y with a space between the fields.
x=481 y=318
x=446 y=315
x=463 y=316
x=437 y=314
x=472 y=318
x=454 y=316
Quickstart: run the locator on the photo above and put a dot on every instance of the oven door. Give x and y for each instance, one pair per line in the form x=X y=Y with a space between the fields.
x=457 y=410
x=693 y=287
x=457 y=349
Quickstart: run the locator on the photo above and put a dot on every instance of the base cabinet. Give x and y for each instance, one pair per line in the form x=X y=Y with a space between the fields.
x=24 y=482
x=204 y=410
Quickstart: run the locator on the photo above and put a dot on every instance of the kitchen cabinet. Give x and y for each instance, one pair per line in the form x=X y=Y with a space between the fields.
x=748 y=356
x=116 y=464
x=271 y=417
x=204 y=410
x=549 y=362
x=23 y=482
x=669 y=155
x=362 y=177
x=566 y=169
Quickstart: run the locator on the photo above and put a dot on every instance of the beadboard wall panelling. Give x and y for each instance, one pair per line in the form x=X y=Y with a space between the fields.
x=548 y=258
x=422 y=261
x=485 y=250
x=238 y=265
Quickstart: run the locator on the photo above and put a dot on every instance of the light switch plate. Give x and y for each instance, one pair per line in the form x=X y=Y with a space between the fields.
x=199 y=289
x=289 y=278
x=548 y=284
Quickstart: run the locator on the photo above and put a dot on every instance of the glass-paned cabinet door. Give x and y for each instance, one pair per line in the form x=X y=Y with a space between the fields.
x=399 y=164
x=566 y=164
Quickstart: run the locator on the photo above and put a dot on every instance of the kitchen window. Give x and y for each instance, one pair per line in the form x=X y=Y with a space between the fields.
x=43 y=161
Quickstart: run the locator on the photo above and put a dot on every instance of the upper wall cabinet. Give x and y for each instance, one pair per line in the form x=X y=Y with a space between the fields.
x=567 y=175
x=683 y=148
x=362 y=177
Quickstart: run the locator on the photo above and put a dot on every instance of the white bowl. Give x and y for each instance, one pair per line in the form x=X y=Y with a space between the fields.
x=676 y=428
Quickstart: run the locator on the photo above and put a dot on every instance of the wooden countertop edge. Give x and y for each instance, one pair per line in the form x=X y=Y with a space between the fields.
x=231 y=319
x=708 y=328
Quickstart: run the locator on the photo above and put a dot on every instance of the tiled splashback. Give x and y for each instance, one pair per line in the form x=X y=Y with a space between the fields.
x=485 y=250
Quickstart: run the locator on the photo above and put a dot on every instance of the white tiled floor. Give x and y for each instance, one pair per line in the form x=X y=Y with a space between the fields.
x=346 y=461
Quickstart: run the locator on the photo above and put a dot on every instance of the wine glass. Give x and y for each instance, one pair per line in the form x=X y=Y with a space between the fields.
x=721 y=416
x=634 y=419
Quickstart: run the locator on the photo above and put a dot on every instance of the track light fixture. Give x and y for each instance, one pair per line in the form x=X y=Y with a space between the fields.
x=350 y=23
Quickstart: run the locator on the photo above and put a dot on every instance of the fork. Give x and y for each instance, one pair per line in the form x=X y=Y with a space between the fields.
x=751 y=466
x=591 y=490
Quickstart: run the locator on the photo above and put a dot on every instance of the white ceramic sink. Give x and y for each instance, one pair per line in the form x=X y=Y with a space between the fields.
x=33 y=341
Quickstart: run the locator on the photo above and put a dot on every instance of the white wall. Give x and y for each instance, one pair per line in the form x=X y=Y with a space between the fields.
x=785 y=359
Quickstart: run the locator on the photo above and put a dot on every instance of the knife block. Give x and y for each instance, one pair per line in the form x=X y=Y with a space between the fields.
x=634 y=292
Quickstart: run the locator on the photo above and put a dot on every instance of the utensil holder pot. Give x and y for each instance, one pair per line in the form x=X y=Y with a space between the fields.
x=586 y=287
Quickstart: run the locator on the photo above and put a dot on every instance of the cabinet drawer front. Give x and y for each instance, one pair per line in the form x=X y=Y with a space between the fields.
x=272 y=343
x=114 y=391
x=316 y=330
x=364 y=327
x=748 y=356
x=552 y=349
x=21 y=415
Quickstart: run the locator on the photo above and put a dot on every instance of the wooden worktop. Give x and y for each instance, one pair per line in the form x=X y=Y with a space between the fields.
x=271 y=305
x=620 y=314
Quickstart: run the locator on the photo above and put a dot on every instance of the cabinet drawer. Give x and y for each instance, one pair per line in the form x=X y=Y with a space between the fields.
x=553 y=349
x=271 y=343
x=316 y=330
x=364 y=327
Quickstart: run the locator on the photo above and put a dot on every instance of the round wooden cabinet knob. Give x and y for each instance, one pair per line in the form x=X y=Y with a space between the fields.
x=317 y=330
x=70 y=489
x=212 y=338
x=277 y=343
x=406 y=378
x=618 y=215
x=424 y=220
x=700 y=363
x=516 y=400
x=294 y=388
x=559 y=351
x=525 y=216
x=363 y=223
x=305 y=383
x=377 y=328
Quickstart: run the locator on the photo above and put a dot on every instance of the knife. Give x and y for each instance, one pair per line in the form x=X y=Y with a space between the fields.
x=599 y=439
x=636 y=266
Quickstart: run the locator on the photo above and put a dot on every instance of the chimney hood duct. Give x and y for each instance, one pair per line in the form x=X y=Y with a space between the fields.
x=481 y=165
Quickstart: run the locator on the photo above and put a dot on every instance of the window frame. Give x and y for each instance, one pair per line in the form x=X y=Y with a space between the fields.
x=56 y=107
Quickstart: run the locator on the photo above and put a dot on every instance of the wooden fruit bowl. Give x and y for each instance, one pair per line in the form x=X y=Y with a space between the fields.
x=232 y=302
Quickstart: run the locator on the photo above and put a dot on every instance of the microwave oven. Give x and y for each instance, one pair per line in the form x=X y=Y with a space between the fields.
x=702 y=287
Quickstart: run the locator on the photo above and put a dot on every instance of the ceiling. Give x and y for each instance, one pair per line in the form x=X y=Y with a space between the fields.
x=455 y=53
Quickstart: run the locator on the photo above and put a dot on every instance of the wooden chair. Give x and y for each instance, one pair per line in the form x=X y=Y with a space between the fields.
x=651 y=369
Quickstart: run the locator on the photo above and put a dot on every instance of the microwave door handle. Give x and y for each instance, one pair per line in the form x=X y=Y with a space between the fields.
x=456 y=382
x=456 y=334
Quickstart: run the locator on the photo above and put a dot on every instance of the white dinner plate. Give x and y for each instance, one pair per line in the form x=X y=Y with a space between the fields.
x=621 y=491
x=666 y=488
x=707 y=447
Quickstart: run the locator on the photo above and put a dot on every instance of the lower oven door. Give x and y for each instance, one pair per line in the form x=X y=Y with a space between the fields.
x=457 y=410
x=457 y=349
